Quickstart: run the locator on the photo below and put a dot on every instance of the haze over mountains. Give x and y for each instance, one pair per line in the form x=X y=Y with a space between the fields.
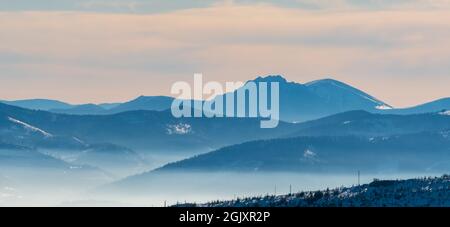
x=146 y=123
x=340 y=143
x=338 y=129
x=337 y=145
x=82 y=134
x=419 y=152
x=24 y=165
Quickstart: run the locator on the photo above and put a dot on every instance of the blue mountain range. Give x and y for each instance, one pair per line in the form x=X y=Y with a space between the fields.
x=328 y=126
x=298 y=102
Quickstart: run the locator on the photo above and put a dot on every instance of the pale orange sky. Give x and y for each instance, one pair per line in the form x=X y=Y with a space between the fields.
x=399 y=55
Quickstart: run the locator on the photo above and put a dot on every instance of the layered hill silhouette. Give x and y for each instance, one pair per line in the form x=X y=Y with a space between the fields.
x=350 y=140
x=325 y=154
x=342 y=143
x=341 y=129
x=298 y=102
x=147 y=130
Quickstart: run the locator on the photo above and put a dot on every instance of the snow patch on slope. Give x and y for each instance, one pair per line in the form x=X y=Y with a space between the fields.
x=383 y=107
x=78 y=140
x=30 y=127
x=309 y=154
x=447 y=113
x=179 y=129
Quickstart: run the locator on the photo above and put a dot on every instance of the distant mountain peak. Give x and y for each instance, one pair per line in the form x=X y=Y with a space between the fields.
x=332 y=84
x=142 y=102
x=271 y=78
x=39 y=104
x=326 y=81
x=143 y=97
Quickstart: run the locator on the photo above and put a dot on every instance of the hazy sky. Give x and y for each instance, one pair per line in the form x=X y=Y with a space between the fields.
x=114 y=50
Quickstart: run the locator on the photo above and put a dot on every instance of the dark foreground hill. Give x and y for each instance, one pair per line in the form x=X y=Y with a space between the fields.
x=424 y=192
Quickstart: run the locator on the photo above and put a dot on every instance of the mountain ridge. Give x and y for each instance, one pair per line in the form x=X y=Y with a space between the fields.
x=141 y=129
x=410 y=147
x=298 y=102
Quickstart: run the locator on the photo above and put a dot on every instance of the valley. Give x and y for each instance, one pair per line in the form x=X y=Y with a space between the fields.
x=137 y=154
